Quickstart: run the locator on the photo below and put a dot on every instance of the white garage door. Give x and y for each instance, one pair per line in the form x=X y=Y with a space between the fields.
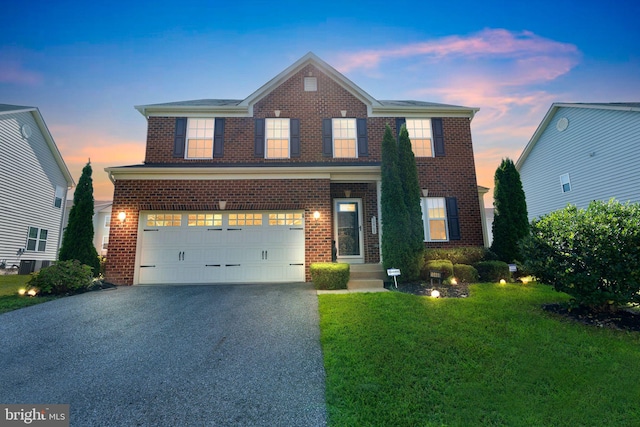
x=221 y=247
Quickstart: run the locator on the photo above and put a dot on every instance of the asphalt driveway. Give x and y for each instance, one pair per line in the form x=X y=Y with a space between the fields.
x=246 y=355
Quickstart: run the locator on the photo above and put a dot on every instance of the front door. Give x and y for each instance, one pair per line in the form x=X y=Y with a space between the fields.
x=348 y=230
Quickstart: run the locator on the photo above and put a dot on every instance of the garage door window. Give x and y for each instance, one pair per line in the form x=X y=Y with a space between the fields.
x=164 y=220
x=205 y=220
x=285 y=218
x=245 y=219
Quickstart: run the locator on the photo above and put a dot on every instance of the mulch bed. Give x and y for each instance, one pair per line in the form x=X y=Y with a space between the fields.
x=622 y=319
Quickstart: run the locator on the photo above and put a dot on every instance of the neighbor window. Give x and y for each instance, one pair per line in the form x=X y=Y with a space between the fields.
x=199 y=139
x=565 y=183
x=420 y=136
x=434 y=216
x=277 y=139
x=344 y=138
x=107 y=221
x=105 y=242
x=59 y=195
x=37 y=239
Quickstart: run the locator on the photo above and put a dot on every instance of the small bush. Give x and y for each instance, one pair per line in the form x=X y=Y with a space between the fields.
x=465 y=273
x=464 y=255
x=444 y=266
x=63 y=277
x=329 y=276
x=493 y=271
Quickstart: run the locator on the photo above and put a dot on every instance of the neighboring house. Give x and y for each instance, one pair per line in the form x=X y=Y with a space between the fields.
x=488 y=214
x=34 y=181
x=257 y=189
x=101 y=224
x=581 y=153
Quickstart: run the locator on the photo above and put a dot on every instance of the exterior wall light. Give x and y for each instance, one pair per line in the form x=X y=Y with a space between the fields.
x=122 y=216
x=316 y=216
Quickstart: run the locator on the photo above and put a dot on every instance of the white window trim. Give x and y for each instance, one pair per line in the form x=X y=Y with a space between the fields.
x=426 y=223
x=37 y=239
x=186 y=139
x=430 y=135
x=266 y=137
x=333 y=137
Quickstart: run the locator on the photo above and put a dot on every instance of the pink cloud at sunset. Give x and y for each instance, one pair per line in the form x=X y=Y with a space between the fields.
x=13 y=72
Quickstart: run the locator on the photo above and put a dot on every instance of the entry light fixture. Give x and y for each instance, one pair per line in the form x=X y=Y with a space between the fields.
x=316 y=216
x=122 y=216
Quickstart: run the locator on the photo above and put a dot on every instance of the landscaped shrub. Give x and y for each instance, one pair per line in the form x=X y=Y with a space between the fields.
x=463 y=255
x=592 y=254
x=63 y=277
x=465 y=273
x=444 y=266
x=493 y=271
x=327 y=275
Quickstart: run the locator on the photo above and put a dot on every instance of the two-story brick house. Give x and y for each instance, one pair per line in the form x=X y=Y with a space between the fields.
x=255 y=190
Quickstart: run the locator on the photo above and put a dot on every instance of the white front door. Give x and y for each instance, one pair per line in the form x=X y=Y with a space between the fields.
x=347 y=214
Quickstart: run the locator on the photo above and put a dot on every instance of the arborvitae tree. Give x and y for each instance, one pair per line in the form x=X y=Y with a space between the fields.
x=408 y=172
x=395 y=219
x=77 y=242
x=510 y=222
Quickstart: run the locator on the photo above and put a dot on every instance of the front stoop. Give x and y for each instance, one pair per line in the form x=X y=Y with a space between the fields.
x=366 y=276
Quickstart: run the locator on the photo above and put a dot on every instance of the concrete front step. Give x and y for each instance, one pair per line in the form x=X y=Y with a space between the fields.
x=367 y=271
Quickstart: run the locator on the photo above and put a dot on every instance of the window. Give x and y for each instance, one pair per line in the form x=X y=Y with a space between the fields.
x=203 y=220
x=245 y=219
x=434 y=216
x=37 y=239
x=277 y=139
x=344 y=138
x=105 y=242
x=107 y=221
x=199 y=139
x=565 y=183
x=164 y=220
x=285 y=218
x=59 y=195
x=420 y=136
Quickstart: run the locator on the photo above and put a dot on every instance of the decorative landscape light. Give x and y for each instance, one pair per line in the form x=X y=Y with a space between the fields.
x=435 y=293
x=502 y=281
x=22 y=291
x=32 y=292
x=454 y=281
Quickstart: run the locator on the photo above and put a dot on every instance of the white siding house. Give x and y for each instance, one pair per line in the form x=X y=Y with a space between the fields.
x=34 y=181
x=581 y=153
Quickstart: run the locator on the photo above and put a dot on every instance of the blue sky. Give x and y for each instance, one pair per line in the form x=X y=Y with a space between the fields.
x=85 y=65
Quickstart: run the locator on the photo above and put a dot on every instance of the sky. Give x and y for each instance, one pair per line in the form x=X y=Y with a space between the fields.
x=85 y=65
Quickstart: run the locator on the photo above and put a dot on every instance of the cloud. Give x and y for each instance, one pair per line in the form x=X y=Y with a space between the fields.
x=488 y=43
x=13 y=72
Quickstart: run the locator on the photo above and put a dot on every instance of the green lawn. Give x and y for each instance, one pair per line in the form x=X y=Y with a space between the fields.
x=493 y=359
x=9 y=298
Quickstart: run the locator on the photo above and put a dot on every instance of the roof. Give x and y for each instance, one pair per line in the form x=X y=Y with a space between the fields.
x=244 y=107
x=619 y=106
x=6 y=109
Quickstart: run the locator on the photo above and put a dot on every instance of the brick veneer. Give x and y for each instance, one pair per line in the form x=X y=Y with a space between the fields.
x=182 y=195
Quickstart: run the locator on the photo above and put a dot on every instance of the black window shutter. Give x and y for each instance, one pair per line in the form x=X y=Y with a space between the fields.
x=363 y=138
x=294 y=129
x=327 y=137
x=438 y=137
x=218 y=138
x=399 y=122
x=452 y=218
x=180 y=137
x=258 y=138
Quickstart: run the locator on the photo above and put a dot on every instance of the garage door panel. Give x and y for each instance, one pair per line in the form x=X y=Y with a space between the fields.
x=187 y=251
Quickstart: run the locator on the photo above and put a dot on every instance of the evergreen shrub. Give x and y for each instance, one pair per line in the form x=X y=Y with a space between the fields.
x=62 y=278
x=465 y=273
x=444 y=266
x=493 y=271
x=330 y=276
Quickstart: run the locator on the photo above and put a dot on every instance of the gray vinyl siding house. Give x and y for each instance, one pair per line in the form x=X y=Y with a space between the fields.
x=34 y=181
x=581 y=153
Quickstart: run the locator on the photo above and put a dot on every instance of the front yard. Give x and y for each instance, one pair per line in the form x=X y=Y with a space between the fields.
x=9 y=298
x=495 y=358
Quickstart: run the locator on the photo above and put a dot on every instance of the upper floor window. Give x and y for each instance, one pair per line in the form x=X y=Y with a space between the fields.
x=344 y=138
x=565 y=183
x=434 y=216
x=37 y=239
x=277 y=139
x=199 y=143
x=59 y=195
x=420 y=136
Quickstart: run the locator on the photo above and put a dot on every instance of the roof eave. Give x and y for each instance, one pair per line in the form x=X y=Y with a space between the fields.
x=35 y=112
x=420 y=111
x=191 y=110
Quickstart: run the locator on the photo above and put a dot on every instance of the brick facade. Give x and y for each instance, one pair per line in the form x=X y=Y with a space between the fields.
x=452 y=175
